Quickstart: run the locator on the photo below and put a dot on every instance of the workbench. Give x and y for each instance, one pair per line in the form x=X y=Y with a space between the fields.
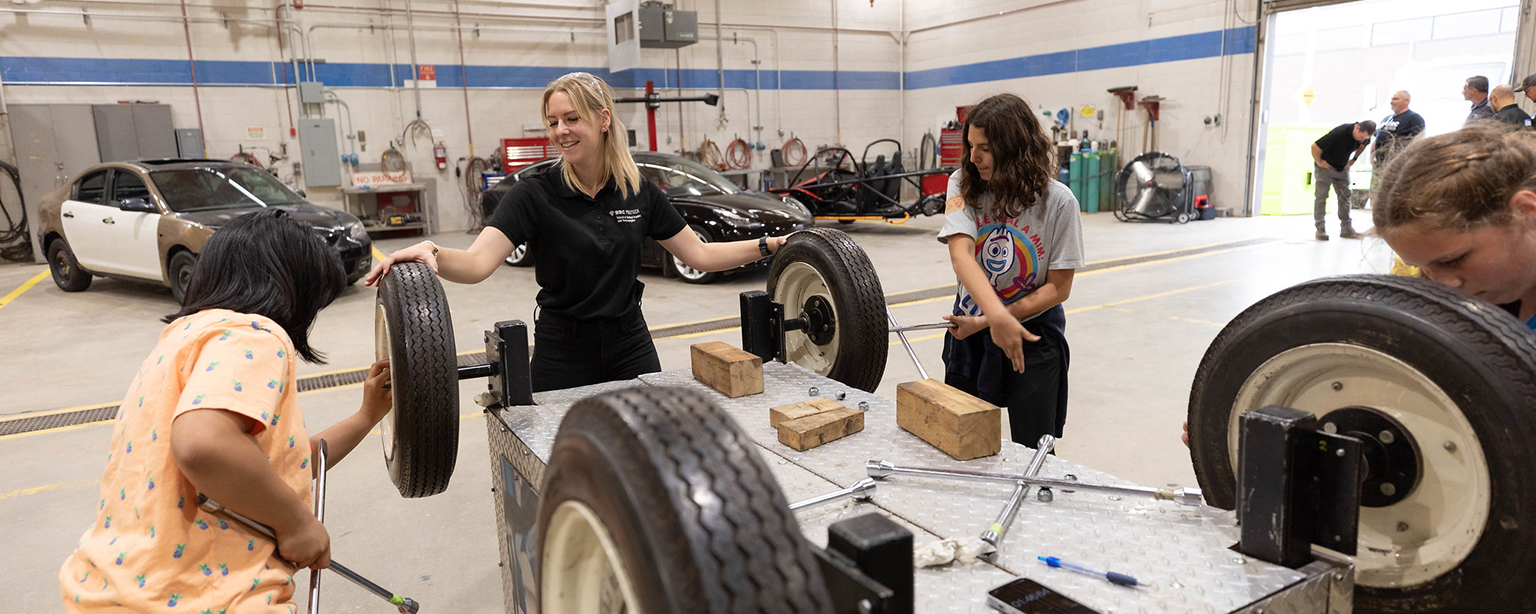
x=1185 y=553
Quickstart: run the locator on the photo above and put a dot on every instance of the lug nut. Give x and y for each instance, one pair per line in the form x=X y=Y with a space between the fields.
x=1330 y=428
x=1387 y=437
x=1337 y=386
x=863 y=405
x=841 y=395
x=1388 y=489
x=1450 y=446
x=814 y=391
x=1044 y=494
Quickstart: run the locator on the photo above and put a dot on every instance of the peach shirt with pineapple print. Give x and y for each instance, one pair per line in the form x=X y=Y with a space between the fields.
x=151 y=548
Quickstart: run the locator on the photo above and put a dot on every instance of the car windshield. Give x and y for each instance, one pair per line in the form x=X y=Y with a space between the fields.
x=684 y=177
x=197 y=189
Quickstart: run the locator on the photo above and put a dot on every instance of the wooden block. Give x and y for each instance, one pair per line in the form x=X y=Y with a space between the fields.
x=961 y=425
x=730 y=370
x=809 y=407
x=810 y=431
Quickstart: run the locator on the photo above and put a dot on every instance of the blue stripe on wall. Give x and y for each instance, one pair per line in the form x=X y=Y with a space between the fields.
x=46 y=71
x=1154 y=51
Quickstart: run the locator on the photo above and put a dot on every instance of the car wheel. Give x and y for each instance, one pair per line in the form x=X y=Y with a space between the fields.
x=821 y=276
x=414 y=330
x=656 y=501
x=1445 y=522
x=688 y=273
x=522 y=255
x=181 y=274
x=67 y=273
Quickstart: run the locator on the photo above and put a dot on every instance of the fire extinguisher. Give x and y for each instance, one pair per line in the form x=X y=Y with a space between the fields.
x=441 y=152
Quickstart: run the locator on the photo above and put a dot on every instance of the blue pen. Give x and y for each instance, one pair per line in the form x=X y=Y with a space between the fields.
x=1115 y=578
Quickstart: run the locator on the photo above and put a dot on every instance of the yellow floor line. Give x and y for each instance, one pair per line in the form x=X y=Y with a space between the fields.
x=6 y=300
x=734 y=328
x=32 y=491
x=377 y=255
x=1149 y=297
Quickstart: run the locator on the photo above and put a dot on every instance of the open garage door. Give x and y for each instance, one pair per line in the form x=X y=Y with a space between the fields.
x=1322 y=63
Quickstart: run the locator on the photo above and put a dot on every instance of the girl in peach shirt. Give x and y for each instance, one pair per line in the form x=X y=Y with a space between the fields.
x=214 y=410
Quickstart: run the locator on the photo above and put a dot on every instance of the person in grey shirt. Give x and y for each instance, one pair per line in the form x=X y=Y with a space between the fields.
x=1015 y=242
x=1476 y=92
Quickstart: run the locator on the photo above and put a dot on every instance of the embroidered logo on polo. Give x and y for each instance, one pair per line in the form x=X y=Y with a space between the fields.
x=625 y=216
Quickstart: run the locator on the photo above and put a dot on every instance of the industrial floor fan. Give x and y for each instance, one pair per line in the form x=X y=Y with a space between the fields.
x=1154 y=186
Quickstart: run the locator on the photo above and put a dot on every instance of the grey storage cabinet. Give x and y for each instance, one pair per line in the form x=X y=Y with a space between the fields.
x=54 y=142
x=134 y=131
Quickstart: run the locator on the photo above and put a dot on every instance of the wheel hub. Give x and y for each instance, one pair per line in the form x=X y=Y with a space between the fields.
x=820 y=322
x=1391 y=468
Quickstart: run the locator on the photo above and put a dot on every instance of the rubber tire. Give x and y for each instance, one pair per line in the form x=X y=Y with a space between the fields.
x=858 y=301
x=1476 y=353
x=181 y=262
x=670 y=261
x=76 y=279
x=697 y=517
x=525 y=260
x=423 y=367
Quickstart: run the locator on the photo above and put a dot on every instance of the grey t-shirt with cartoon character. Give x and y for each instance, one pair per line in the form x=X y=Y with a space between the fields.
x=1016 y=253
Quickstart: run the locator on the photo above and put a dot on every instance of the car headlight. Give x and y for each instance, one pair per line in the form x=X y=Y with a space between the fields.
x=794 y=202
x=357 y=232
x=736 y=219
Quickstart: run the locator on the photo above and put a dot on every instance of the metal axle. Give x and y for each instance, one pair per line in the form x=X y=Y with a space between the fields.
x=860 y=490
x=1184 y=496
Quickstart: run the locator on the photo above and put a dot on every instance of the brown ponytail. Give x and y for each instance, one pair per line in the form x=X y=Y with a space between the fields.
x=1458 y=180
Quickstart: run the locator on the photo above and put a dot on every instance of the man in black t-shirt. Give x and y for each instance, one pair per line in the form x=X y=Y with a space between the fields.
x=1333 y=155
x=1396 y=131
x=1502 y=99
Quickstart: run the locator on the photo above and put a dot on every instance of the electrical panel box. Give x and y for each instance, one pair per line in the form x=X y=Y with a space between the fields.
x=320 y=155
x=189 y=143
x=664 y=28
x=311 y=92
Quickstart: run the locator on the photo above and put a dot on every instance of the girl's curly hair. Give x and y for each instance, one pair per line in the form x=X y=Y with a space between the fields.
x=1023 y=159
x=1457 y=180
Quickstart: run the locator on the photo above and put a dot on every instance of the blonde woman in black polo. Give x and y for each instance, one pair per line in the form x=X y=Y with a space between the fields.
x=588 y=216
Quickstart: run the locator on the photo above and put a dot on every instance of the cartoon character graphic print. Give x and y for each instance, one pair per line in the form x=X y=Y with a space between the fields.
x=1010 y=256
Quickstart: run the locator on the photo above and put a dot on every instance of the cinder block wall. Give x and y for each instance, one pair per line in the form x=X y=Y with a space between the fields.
x=1056 y=54
x=1066 y=54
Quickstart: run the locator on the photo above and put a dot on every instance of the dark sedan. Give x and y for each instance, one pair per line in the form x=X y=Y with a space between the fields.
x=715 y=208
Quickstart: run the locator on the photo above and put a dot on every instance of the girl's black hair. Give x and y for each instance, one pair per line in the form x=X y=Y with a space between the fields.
x=269 y=264
x=1023 y=158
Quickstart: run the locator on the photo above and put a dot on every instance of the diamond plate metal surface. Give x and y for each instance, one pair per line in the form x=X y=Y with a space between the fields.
x=1183 y=552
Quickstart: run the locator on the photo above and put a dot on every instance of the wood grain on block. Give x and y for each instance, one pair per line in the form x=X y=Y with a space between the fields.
x=810 y=431
x=732 y=371
x=961 y=425
x=808 y=407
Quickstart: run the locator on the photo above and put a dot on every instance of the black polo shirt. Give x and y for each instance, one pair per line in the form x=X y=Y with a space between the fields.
x=1513 y=114
x=586 y=250
x=1338 y=144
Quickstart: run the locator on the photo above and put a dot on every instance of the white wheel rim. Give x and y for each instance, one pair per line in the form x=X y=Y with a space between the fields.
x=797 y=283
x=688 y=272
x=381 y=352
x=518 y=253
x=1435 y=527
x=582 y=570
